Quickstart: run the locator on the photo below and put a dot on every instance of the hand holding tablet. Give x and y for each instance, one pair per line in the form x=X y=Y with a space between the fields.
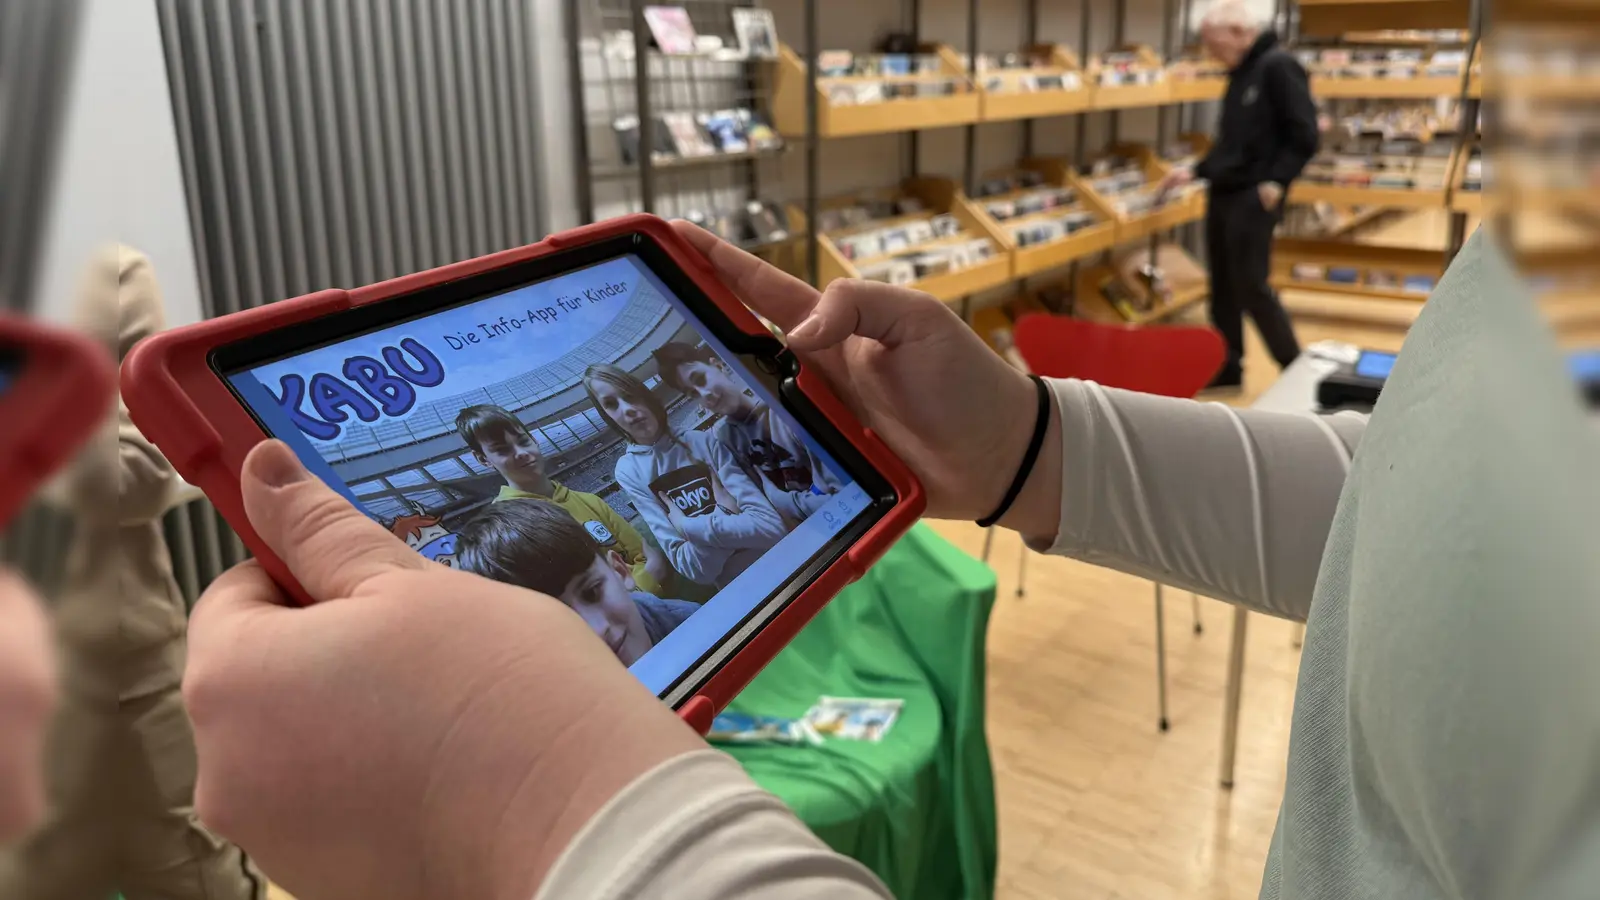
x=474 y=399
x=476 y=725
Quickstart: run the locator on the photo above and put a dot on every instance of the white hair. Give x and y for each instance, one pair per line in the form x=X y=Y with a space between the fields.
x=1241 y=14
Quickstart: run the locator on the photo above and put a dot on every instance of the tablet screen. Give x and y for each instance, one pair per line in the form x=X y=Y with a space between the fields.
x=580 y=436
x=1375 y=365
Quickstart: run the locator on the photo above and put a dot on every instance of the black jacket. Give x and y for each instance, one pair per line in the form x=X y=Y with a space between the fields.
x=1269 y=128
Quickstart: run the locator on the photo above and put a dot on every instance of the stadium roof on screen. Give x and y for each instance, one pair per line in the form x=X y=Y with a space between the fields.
x=645 y=312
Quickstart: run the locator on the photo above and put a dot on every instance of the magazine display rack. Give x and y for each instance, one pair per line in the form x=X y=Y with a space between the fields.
x=863 y=104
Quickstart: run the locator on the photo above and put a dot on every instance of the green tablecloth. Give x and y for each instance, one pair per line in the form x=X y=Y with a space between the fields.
x=917 y=808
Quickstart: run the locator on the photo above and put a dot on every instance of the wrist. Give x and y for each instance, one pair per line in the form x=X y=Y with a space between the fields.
x=584 y=766
x=1015 y=417
x=1036 y=514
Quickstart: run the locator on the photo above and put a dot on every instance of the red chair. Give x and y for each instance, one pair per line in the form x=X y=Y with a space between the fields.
x=1172 y=361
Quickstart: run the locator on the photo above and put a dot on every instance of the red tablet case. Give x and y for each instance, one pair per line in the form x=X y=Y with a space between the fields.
x=59 y=397
x=178 y=402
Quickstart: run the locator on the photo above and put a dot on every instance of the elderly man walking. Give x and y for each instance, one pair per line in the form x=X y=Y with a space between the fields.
x=1267 y=134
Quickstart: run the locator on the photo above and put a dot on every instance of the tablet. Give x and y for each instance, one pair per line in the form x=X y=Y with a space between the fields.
x=593 y=417
x=55 y=388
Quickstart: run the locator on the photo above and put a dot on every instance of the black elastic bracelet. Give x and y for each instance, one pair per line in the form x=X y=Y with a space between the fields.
x=1040 y=427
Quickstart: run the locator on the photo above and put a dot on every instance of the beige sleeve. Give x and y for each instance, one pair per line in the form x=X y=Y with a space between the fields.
x=120 y=478
x=698 y=828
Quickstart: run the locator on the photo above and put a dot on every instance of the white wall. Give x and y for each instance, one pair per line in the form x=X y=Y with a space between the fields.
x=120 y=177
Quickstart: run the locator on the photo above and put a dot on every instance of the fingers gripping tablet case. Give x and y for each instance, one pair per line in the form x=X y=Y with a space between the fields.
x=55 y=388
x=594 y=417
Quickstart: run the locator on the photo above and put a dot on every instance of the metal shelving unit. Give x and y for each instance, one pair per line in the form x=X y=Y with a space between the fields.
x=618 y=74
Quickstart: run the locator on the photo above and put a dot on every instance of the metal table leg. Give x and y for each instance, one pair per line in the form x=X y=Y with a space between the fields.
x=1230 y=713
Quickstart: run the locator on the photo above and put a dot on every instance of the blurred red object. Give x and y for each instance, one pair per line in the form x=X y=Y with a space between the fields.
x=1173 y=361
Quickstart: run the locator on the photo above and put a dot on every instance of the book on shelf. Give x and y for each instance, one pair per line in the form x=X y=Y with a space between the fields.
x=756 y=31
x=671 y=29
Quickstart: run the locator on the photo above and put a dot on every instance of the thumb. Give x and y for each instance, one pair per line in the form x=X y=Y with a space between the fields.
x=880 y=312
x=328 y=544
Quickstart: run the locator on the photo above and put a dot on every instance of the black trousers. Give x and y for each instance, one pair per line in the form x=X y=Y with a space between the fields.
x=1239 y=254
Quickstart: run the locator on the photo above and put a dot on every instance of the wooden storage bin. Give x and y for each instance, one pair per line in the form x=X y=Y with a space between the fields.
x=885 y=117
x=1128 y=96
x=1191 y=285
x=1193 y=207
x=1043 y=257
x=996 y=106
x=1366 y=258
x=1392 y=198
x=1420 y=87
x=1328 y=18
x=1196 y=77
x=1132 y=227
x=938 y=196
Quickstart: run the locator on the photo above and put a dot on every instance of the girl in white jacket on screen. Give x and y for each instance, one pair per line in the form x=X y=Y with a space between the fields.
x=710 y=519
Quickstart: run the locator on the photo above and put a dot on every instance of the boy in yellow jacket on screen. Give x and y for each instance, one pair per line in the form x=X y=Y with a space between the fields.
x=501 y=441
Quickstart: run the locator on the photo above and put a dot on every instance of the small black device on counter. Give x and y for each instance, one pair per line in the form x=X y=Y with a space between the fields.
x=1358 y=385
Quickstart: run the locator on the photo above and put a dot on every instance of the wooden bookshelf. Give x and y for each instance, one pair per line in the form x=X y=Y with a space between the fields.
x=1131 y=96
x=1032 y=260
x=1006 y=105
x=1137 y=225
x=835 y=120
x=1189 y=288
x=1396 y=198
x=1195 y=77
x=1336 y=17
x=1365 y=259
x=1418 y=88
x=938 y=196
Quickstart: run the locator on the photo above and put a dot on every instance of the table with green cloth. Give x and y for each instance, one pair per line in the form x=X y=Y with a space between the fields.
x=918 y=808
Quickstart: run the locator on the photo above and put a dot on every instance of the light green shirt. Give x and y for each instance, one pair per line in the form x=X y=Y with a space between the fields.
x=1446 y=732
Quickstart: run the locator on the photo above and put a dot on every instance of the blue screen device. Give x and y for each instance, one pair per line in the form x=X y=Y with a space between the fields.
x=1375 y=365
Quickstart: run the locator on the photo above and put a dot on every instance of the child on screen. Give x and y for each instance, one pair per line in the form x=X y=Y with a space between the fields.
x=499 y=440
x=712 y=520
x=537 y=545
x=791 y=476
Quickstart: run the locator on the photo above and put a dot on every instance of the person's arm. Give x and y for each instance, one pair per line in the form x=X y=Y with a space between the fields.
x=698 y=828
x=804 y=503
x=756 y=526
x=1232 y=504
x=1289 y=91
x=122 y=302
